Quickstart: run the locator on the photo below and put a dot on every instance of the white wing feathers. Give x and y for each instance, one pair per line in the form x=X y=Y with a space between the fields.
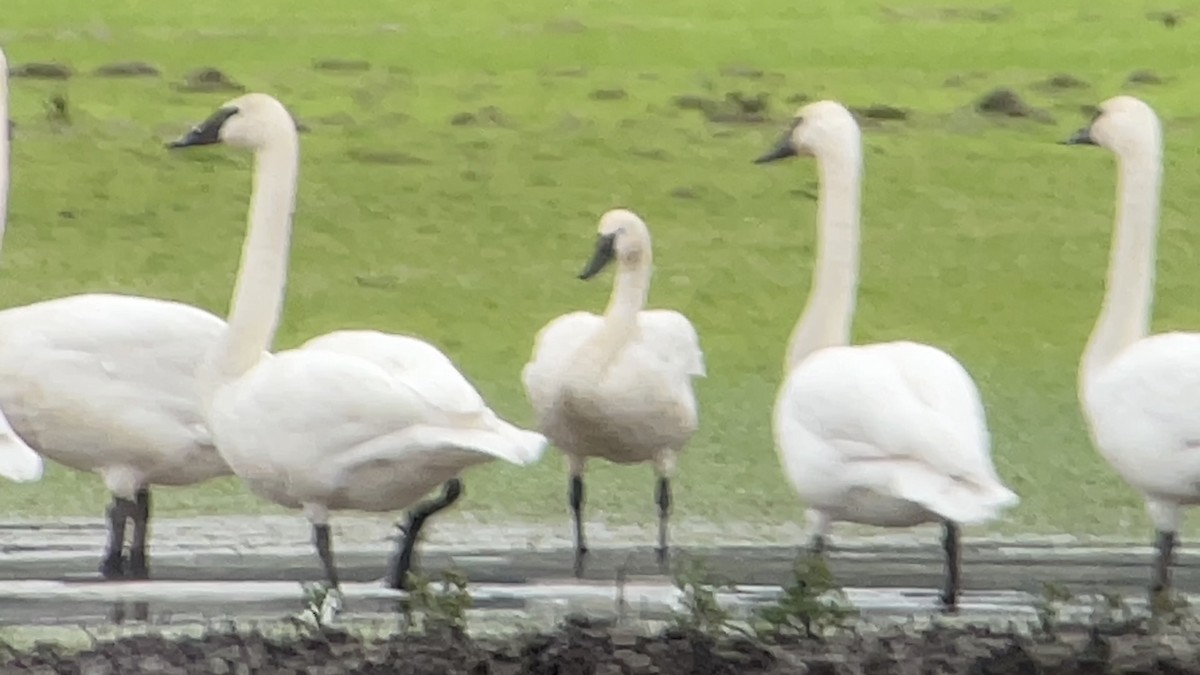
x=452 y=414
x=18 y=462
x=906 y=415
x=675 y=340
x=666 y=334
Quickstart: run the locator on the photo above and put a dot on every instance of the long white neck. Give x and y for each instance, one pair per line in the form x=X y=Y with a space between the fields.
x=258 y=294
x=1129 y=289
x=631 y=285
x=829 y=311
x=4 y=149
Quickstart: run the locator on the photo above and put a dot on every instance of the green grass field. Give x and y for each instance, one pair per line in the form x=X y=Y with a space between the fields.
x=981 y=235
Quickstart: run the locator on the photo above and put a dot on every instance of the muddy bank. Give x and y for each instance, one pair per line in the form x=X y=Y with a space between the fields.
x=581 y=646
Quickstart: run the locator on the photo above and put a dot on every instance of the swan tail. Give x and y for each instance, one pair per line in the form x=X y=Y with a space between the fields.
x=19 y=463
x=500 y=440
x=969 y=502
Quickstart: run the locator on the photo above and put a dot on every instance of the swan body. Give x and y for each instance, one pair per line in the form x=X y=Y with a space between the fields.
x=356 y=420
x=628 y=416
x=1139 y=392
x=105 y=383
x=891 y=434
x=618 y=386
x=1143 y=415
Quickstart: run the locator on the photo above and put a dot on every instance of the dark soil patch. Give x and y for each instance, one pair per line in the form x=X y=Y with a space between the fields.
x=41 y=71
x=582 y=646
x=341 y=65
x=608 y=95
x=1168 y=19
x=1061 y=82
x=486 y=116
x=742 y=71
x=735 y=108
x=881 y=112
x=208 y=79
x=656 y=154
x=387 y=157
x=1007 y=103
x=569 y=72
x=127 y=69
x=1144 y=77
x=949 y=14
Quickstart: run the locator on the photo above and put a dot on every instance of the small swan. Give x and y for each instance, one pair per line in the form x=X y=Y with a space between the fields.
x=1140 y=394
x=105 y=383
x=618 y=387
x=356 y=420
x=889 y=434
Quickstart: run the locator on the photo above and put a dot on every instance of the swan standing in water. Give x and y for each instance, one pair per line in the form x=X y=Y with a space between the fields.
x=618 y=386
x=105 y=383
x=350 y=420
x=1140 y=394
x=889 y=434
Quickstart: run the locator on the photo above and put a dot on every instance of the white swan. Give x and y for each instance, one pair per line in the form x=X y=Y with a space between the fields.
x=1140 y=394
x=104 y=383
x=618 y=387
x=890 y=434
x=350 y=420
x=19 y=463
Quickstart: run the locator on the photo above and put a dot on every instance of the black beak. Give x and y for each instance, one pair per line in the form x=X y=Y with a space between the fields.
x=604 y=253
x=207 y=132
x=1081 y=137
x=782 y=150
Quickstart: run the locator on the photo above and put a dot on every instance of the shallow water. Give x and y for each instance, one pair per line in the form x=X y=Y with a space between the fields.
x=57 y=585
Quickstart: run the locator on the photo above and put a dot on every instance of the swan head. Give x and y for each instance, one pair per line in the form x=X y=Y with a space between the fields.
x=1122 y=124
x=621 y=236
x=252 y=121
x=817 y=128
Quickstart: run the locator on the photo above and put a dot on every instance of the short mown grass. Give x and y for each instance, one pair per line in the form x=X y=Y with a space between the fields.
x=453 y=172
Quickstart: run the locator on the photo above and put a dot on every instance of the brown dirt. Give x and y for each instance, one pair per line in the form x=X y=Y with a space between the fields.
x=208 y=79
x=582 y=646
x=342 y=65
x=735 y=108
x=488 y=115
x=126 y=69
x=41 y=71
x=1008 y=103
x=1144 y=77
x=1060 y=82
x=881 y=111
x=608 y=95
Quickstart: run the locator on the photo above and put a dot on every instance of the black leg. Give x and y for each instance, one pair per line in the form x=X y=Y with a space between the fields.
x=575 y=496
x=324 y=546
x=398 y=578
x=951 y=546
x=113 y=564
x=139 y=567
x=816 y=546
x=663 y=497
x=1161 y=581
